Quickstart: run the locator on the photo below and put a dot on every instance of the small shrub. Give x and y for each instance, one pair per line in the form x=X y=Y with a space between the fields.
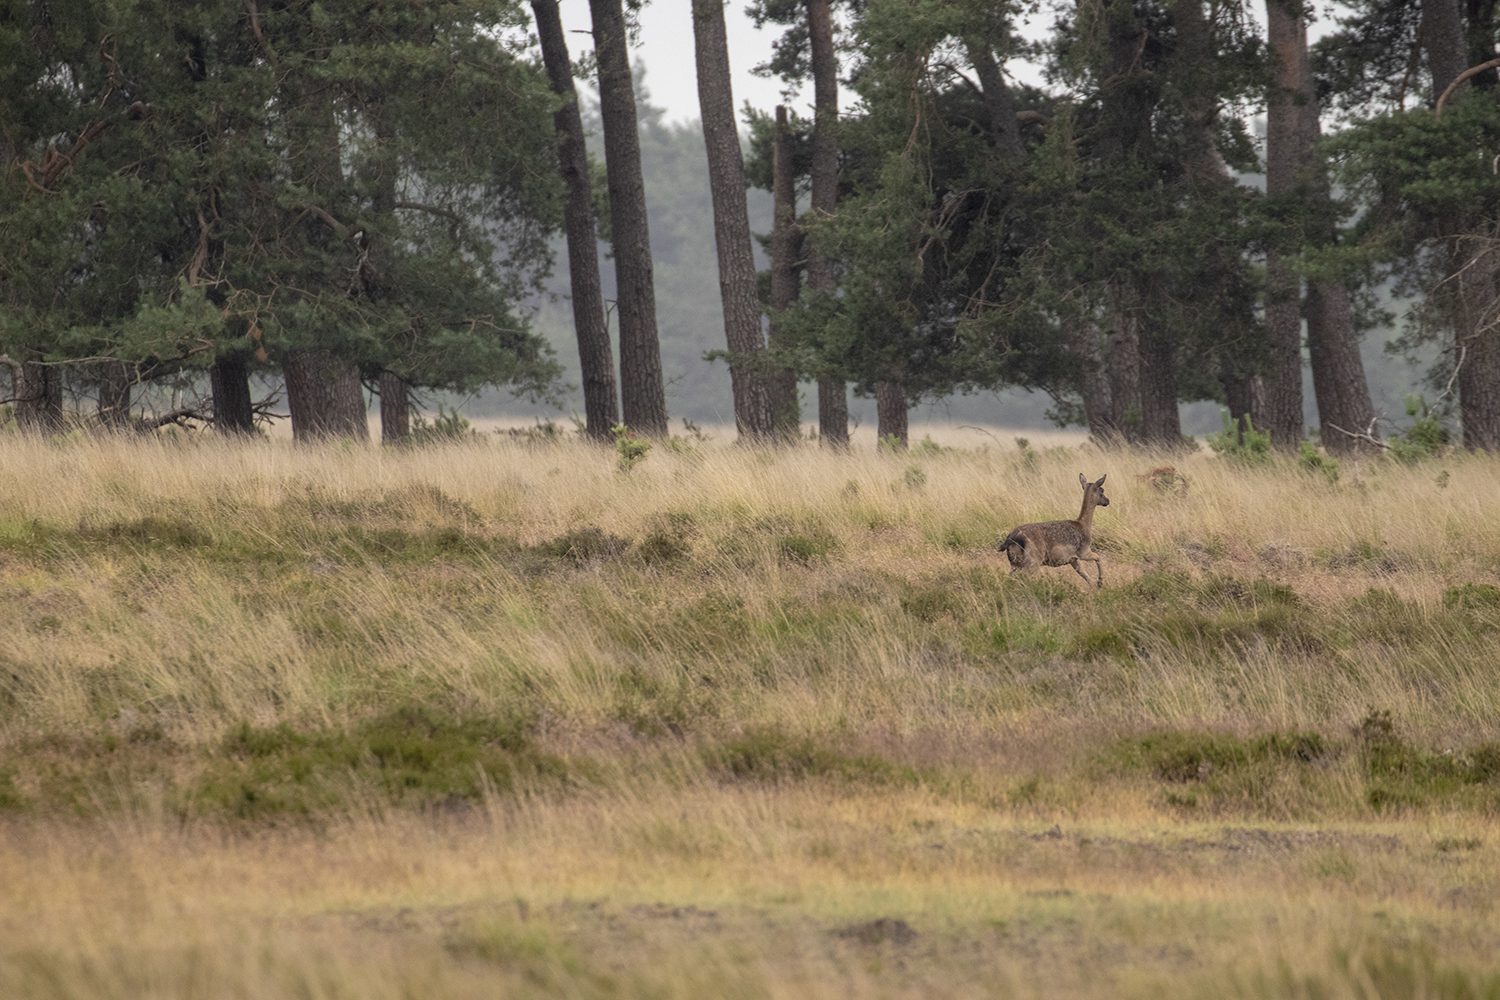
x=927 y=446
x=150 y=531
x=448 y=425
x=415 y=755
x=662 y=545
x=1028 y=454
x=10 y=795
x=915 y=477
x=1102 y=642
x=1187 y=756
x=929 y=604
x=585 y=545
x=1425 y=438
x=542 y=432
x=630 y=450
x=1314 y=462
x=1246 y=444
x=1473 y=597
x=806 y=548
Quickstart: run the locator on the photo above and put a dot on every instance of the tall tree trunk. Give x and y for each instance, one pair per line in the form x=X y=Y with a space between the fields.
x=891 y=414
x=1339 y=383
x=1146 y=385
x=1084 y=343
x=325 y=395
x=1282 y=415
x=726 y=181
x=833 y=399
x=601 y=404
x=1208 y=180
x=379 y=286
x=323 y=389
x=1124 y=368
x=833 y=412
x=114 y=395
x=1478 y=339
x=1476 y=333
x=999 y=104
x=395 y=410
x=1337 y=369
x=642 y=395
x=786 y=418
x=1161 y=422
x=39 y=397
x=1442 y=34
x=229 y=381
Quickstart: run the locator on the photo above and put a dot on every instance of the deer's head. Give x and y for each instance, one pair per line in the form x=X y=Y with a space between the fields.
x=1094 y=491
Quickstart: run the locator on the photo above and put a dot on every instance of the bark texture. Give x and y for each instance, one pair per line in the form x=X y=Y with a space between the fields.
x=601 y=403
x=1148 y=381
x=229 y=381
x=1124 y=367
x=1473 y=266
x=1281 y=415
x=891 y=413
x=642 y=395
x=325 y=395
x=39 y=397
x=1161 y=423
x=726 y=181
x=114 y=395
x=395 y=410
x=999 y=104
x=833 y=412
x=1085 y=342
x=833 y=399
x=1339 y=383
x=786 y=417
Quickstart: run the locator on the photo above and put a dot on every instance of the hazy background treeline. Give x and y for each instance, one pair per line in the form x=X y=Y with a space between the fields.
x=692 y=319
x=214 y=213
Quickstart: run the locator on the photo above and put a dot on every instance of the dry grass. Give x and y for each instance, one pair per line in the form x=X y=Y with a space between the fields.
x=500 y=717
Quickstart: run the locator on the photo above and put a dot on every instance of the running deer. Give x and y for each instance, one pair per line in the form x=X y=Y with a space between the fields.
x=1060 y=543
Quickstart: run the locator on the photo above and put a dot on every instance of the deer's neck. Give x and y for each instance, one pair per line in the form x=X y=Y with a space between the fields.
x=1086 y=516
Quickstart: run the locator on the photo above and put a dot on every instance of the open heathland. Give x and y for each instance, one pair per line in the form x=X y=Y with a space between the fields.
x=519 y=716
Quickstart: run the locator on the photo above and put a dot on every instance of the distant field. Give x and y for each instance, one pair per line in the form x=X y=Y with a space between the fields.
x=501 y=718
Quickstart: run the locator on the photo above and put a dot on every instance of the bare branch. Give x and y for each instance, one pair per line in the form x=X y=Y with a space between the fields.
x=1367 y=436
x=1437 y=109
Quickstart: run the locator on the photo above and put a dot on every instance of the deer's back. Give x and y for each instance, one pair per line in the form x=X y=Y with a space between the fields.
x=1056 y=543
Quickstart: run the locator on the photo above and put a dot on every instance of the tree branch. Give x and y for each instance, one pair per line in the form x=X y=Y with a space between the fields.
x=1437 y=109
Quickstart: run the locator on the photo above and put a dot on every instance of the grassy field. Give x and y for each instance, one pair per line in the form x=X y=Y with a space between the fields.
x=503 y=718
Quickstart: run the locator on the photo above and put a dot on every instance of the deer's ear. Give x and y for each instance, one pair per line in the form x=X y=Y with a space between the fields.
x=1101 y=479
x=1082 y=481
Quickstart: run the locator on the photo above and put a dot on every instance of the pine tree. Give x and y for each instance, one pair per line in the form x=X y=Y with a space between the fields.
x=642 y=395
x=726 y=174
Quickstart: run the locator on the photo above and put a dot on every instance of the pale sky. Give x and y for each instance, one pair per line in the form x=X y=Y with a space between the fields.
x=666 y=50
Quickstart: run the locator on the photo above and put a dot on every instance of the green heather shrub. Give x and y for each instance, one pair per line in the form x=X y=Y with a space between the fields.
x=1246 y=445
x=807 y=547
x=1425 y=438
x=448 y=425
x=1473 y=597
x=1313 y=462
x=772 y=754
x=583 y=545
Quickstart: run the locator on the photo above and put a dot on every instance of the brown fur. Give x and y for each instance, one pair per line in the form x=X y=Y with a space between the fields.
x=1060 y=543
